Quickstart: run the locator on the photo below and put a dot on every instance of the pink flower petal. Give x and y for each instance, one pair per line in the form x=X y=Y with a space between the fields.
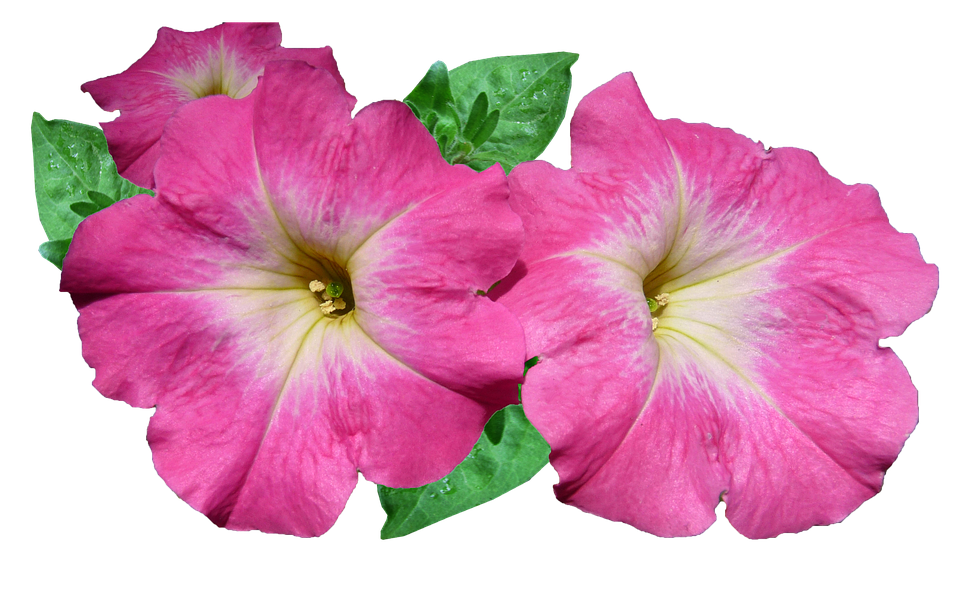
x=179 y=68
x=198 y=301
x=768 y=387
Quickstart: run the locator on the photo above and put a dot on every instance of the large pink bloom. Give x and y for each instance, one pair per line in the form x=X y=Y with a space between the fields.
x=270 y=392
x=762 y=383
x=179 y=68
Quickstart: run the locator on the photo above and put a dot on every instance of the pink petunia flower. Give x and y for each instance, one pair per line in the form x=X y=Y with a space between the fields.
x=182 y=67
x=707 y=315
x=299 y=301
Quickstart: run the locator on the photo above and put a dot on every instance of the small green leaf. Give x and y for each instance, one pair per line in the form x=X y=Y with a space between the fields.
x=84 y=209
x=100 y=200
x=74 y=176
x=509 y=453
x=487 y=129
x=477 y=114
x=54 y=251
x=529 y=91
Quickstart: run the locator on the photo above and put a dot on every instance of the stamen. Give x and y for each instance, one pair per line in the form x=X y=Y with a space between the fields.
x=329 y=306
x=654 y=322
x=663 y=299
x=317 y=286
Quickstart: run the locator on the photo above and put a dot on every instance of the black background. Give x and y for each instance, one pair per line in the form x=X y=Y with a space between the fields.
x=868 y=115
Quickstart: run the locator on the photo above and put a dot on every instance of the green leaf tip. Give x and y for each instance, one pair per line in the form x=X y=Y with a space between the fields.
x=54 y=251
x=509 y=453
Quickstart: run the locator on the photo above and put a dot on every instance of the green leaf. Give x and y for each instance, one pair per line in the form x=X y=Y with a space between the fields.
x=54 y=251
x=509 y=453
x=529 y=91
x=74 y=176
x=478 y=113
x=487 y=128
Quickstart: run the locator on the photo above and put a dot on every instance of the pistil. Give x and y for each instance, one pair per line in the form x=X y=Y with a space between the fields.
x=330 y=294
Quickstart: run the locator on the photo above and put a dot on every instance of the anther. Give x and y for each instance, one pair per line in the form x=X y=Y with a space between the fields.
x=317 y=286
x=654 y=322
x=663 y=299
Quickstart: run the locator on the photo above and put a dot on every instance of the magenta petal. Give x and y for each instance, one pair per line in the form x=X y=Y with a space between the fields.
x=757 y=378
x=179 y=68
